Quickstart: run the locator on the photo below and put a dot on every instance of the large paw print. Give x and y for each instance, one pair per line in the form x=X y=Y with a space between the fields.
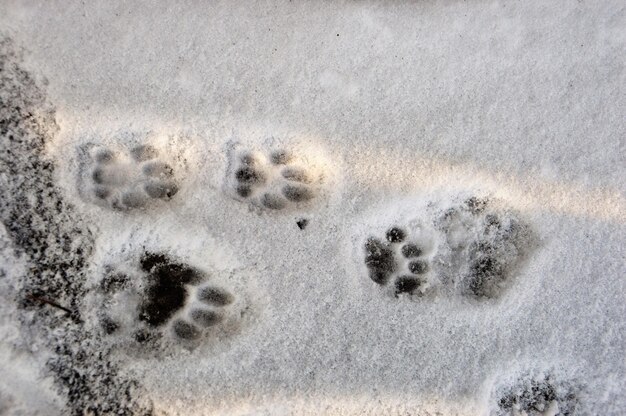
x=171 y=298
x=274 y=181
x=129 y=180
x=536 y=396
x=486 y=245
x=399 y=258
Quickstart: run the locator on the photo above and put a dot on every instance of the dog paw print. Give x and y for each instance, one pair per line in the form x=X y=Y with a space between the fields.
x=400 y=259
x=274 y=181
x=536 y=396
x=165 y=297
x=131 y=179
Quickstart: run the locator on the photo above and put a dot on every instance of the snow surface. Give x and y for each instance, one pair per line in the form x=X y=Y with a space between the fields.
x=398 y=104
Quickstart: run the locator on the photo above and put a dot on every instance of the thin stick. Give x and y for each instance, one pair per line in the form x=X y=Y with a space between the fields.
x=49 y=302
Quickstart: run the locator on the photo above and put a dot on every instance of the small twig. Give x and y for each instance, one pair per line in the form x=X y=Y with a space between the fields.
x=49 y=302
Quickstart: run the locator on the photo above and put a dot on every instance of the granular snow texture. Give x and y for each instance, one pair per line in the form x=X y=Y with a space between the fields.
x=407 y=208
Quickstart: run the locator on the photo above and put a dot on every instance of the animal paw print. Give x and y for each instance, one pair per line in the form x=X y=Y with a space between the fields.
x=274 y=181
x=398 y=258
x=536 y=396
x=468 y=248
x=129 y=180
x=486 y=245
x=171 y=298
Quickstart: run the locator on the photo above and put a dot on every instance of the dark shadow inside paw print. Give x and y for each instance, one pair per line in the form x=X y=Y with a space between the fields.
x=407 y=284
x=296 y=175
x=494 y=255
x=215 y=296
x=142 y=153
x=159 y=190
x=379 y=259
x=281 y=157
x=485 y=271
x=418 y=267
x=166 y=293
x=205 y=318
x=185 y=330
x=247 y=175
x=395 y=235
x=104 y=156
x=411 y=250
x=297 y=193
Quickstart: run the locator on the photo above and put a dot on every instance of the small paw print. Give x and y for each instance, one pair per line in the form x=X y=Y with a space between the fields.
x=274 y=181
x=399 y=258
x=129 y=180
x=172 y=298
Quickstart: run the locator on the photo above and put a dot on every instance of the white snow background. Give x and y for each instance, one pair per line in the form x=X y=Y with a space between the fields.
x=399 y=102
